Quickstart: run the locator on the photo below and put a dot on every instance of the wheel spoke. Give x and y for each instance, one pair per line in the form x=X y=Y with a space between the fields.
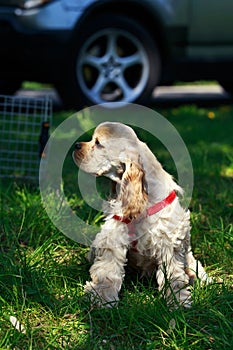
x=124 y=87
x=111 y=50
x=99 y=85
x=93 y=61
x=130 y=61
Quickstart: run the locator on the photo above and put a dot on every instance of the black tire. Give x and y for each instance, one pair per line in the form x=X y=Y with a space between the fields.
x=118 y=54
x=227 y=86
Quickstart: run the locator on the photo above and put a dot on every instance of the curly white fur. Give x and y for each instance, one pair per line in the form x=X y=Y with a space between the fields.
x=163 y=239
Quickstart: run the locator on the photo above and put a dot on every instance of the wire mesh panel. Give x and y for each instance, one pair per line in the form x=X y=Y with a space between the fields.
x=24 y=126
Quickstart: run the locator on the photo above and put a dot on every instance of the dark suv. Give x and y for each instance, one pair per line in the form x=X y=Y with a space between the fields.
x=97 y=51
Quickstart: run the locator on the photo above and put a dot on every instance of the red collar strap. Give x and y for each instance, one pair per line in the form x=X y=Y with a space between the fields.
x=152 y=210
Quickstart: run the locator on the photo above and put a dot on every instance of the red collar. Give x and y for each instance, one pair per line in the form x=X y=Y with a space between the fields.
x=152 y=210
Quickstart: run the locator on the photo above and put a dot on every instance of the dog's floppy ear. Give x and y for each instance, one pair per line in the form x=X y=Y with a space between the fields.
x=133 y=190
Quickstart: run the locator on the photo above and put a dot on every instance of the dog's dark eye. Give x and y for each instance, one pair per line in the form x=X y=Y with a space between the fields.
x=98 y=144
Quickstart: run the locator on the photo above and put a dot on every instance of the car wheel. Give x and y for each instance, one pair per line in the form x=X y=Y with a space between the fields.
x=116 y=61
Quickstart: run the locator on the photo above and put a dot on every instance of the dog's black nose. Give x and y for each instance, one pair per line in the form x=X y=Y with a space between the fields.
x=78 y=146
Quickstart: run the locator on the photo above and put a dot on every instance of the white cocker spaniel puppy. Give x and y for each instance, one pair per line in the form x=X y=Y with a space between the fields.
x=145 y=224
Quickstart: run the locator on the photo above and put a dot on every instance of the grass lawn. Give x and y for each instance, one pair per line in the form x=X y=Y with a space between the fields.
x=42 y=272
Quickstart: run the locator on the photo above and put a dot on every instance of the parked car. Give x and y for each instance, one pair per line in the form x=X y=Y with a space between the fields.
x=96 y=51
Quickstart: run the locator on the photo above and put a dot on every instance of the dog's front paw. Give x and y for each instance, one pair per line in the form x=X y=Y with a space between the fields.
x=179 y=297
x=205 y=279
x=101 y=295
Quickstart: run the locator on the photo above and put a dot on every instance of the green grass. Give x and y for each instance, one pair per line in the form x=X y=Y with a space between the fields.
x=197 y=82
x=42 y=272
x=34 y=85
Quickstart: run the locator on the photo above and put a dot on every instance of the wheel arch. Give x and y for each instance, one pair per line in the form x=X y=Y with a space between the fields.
x=149 y=18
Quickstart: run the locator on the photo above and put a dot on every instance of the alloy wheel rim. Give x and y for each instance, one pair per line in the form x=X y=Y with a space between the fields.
x=112 y=66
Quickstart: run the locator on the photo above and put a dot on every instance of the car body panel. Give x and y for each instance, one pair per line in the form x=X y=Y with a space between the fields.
x=210 y=34
x=195 y=37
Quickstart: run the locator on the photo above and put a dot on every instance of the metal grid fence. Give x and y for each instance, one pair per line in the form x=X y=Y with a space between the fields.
x=24 y=125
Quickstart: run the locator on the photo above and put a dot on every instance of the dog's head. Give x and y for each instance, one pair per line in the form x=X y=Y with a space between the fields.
x=114 y=152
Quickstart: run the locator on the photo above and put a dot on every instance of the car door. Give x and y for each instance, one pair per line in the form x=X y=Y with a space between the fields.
x=211 y=29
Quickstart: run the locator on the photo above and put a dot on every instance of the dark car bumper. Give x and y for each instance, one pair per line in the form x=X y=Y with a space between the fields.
x=33 y=46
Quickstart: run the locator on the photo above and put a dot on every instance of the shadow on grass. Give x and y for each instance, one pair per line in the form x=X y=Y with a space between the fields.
x=42 y=273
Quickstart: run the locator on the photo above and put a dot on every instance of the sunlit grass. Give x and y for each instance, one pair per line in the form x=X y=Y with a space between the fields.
x=42 y=272
x=34 y=85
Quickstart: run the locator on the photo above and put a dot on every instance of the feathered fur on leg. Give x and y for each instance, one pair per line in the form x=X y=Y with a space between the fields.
x=107 y=272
